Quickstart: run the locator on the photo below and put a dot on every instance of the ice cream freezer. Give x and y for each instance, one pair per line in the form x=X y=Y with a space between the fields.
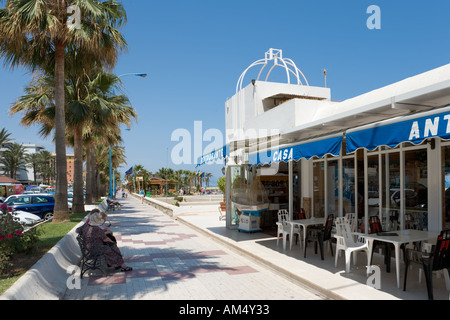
x=249 y=222
x=249 y=219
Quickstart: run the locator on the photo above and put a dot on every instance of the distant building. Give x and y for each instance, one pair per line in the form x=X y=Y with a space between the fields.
x=70 y=167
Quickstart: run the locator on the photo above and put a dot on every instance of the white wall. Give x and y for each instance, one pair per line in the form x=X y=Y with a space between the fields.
x=245 y=110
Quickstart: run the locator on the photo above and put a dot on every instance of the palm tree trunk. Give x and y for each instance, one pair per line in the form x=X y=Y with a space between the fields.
x=97 y=183
x=61 y=211
x=89 y=173
x=78 y=201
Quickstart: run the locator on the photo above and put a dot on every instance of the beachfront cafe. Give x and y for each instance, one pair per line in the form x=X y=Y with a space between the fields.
x=384 y=153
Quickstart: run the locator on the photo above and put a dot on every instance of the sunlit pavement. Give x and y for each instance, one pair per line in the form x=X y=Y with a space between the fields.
x=193 y=256
x=173 y=261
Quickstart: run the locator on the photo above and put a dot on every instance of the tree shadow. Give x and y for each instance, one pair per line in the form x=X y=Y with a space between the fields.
x=157 y=265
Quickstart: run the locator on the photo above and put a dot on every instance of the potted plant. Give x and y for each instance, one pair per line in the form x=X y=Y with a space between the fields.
x=221 y=184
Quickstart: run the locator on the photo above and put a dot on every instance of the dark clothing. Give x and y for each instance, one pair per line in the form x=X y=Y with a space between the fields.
x=96 y=237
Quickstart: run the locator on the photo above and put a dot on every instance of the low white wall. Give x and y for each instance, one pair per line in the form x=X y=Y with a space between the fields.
x=192 y=205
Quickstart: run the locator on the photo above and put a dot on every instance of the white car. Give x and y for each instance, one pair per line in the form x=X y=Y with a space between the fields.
x=26 y=218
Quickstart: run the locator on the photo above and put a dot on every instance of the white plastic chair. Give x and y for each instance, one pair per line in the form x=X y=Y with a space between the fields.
x=352 y=221
x=347 y=243
x=283 y=215
x=284 y=227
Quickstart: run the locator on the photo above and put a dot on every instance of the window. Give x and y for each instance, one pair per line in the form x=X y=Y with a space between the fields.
x=20 y=201
x=333 y=187
x=446 y=187
x=40 y=200
x=319 y=188
x=348 y=174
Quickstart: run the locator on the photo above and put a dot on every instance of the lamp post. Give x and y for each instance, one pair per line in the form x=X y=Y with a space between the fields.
x=111 y=176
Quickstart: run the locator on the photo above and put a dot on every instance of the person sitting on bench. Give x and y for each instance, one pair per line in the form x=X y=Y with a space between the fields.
x=112 y=202
x=96 y=236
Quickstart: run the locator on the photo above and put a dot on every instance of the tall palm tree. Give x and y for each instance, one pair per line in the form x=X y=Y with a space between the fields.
x=109 y=110
x=35 y=34
x=94 y=104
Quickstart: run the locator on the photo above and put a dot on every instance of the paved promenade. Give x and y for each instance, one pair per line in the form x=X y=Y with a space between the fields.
x=172 y=261
x=193 y=256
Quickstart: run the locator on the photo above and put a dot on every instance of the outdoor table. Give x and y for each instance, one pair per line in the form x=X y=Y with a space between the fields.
x=397 y=238
x=304 y=223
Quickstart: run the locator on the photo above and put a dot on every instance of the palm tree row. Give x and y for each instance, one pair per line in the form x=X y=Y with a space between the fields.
x=181 y=179
x=35 y=34
x=13 y=158
x=93 y=114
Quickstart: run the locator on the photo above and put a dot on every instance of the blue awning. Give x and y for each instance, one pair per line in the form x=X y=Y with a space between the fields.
x=414 y=128
x=217 y=154
x=308 y=149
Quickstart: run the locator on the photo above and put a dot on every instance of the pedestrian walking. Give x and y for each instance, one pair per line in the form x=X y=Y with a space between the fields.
x=142 y=196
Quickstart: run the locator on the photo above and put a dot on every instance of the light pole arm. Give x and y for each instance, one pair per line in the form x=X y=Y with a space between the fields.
x=142 y=75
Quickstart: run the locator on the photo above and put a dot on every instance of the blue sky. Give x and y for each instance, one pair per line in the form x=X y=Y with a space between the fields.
x=194 y=52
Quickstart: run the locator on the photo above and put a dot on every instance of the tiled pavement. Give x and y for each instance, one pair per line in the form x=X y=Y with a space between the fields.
x=173 y=262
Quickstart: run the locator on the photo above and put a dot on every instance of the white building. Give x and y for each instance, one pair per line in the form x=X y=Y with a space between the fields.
x=384 y=153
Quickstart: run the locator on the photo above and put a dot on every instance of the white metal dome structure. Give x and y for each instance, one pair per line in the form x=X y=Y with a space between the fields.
x=275 y=55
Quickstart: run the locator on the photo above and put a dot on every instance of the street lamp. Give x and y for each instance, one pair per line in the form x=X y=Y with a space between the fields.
x=111 y=177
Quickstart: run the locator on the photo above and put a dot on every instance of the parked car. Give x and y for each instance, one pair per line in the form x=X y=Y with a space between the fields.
x=413 y=198
x=38 y=204
x=27 y=218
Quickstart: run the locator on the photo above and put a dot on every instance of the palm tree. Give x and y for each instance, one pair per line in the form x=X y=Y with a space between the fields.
x=4 y=138
x=208 y=178
x=94 y=104
x=33 y=161
x=13 y=159
x=101 y=176
x=101 y=170
x=109 y=110
x=117 y=158
x=35 y=34
x=45 y=158
x=138 y=171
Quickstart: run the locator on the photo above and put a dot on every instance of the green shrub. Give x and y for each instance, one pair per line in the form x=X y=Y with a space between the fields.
x=13 y=239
